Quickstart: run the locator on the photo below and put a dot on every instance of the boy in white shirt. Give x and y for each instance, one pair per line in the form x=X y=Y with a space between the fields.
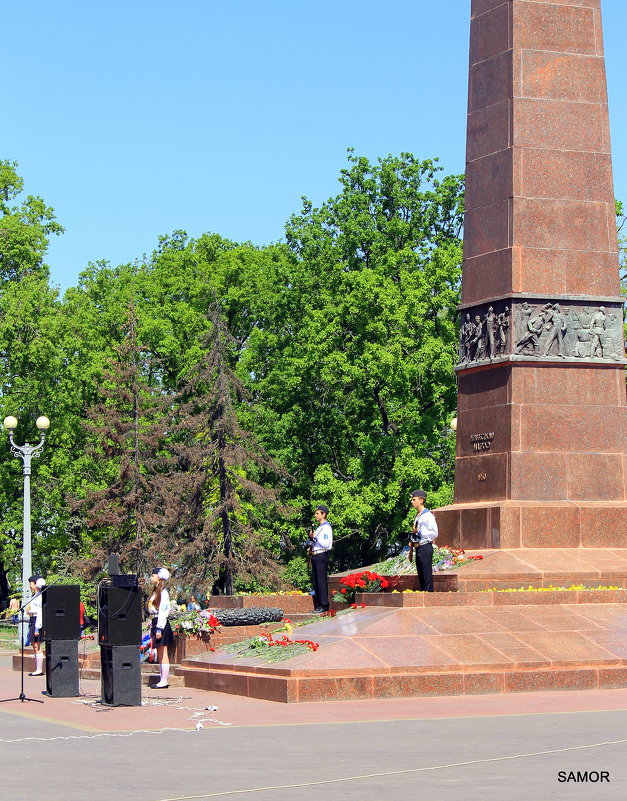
x=424 y=531
x=321 y=544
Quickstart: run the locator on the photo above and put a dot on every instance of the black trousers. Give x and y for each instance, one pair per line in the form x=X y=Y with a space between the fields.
x=319 y=572
x=424 y=566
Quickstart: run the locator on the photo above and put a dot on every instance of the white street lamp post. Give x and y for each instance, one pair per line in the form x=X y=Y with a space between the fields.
x=26 y=452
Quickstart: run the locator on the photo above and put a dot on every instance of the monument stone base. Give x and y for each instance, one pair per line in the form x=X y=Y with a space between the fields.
x=439 y=644
x=533 y=524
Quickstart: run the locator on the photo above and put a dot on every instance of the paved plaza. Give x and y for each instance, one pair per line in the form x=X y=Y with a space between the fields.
x=470 y=748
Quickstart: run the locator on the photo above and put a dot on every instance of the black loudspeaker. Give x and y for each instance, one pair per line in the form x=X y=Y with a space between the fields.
x=124 y=580
x=119 y=615
x=121 y=675
x=61 y=612
x=62 y=668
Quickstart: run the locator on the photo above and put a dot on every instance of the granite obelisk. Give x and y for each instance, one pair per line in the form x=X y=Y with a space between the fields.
x=542 y=420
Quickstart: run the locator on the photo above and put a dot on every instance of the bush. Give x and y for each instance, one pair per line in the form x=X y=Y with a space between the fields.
x=297 y=574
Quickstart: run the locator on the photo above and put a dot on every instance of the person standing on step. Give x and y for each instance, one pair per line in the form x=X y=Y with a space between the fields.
x=424 y=532
x=35 y=621
x=321 y=544
x=161 y=635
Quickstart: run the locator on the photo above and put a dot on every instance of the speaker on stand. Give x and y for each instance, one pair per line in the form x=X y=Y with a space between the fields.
x=119 y=614
x=60 y=608
x=61 y=630
x=62 y=668
x=121 y=675
x=119 y=637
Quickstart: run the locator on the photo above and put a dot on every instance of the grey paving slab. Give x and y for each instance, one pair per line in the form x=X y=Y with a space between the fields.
x=513 y=757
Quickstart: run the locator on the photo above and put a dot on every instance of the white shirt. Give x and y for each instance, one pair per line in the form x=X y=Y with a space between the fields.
x=35 y=608
x=323 y=538
x=164 y=608
x=426 y=527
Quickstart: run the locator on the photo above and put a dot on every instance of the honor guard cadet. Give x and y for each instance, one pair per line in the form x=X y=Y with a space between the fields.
x=321 y=544
x=424 y=532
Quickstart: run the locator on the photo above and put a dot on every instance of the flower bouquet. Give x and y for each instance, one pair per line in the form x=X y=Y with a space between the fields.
x=195 y=623
x=366 y=581
x=447 y=558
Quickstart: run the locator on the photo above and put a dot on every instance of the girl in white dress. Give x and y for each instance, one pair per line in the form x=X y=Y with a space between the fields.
x=35 y=621
x=161 y=635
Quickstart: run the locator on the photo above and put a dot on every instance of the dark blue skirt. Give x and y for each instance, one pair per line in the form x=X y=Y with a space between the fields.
x=167 y=636
x=32 y=637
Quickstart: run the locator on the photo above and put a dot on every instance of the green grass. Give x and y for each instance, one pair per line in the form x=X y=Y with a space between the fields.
x=8 y=638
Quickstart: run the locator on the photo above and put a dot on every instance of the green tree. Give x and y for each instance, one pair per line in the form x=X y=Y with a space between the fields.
x=353 y=371
x=30 y=364
x=174 y=290
x=24 y=228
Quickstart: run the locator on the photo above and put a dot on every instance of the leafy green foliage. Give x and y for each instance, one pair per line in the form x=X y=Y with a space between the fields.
x=354 y=371
x=24 y=229
x=324 y=374
x=297 y=574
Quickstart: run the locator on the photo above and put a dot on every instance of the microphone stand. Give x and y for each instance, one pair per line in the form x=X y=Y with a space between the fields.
x=22 y=696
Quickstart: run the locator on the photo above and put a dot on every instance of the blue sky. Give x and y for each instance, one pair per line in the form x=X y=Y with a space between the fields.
x=134 y=119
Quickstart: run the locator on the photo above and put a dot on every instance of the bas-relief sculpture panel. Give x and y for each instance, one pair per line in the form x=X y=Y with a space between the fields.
x=549 y=330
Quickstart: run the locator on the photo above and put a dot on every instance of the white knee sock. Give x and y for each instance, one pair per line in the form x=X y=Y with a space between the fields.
x=39 y=662
x=165 y=672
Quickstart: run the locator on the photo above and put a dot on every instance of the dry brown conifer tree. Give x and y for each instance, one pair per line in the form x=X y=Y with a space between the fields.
x=222 y=474
x=122 y=509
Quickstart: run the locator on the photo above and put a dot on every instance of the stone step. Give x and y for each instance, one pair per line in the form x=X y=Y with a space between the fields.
x=485 y=598
x=346 y=685
x=90 y=669
x=29 y=661
x=508 y=568
x=147 y=678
